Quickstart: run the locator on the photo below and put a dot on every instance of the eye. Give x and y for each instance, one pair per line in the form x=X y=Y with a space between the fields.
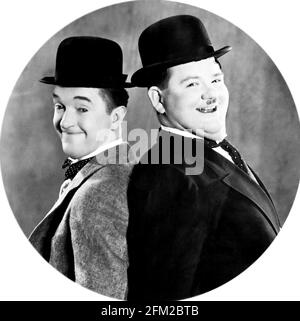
x=217 y=80
x=192 y=84
x=82 y=109
x=59 y=106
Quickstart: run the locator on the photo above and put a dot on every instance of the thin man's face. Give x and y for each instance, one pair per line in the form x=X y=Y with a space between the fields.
x=80 y=118
x=196 y=97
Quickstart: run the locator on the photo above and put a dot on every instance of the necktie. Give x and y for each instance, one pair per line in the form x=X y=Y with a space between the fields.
x=73 y=169
x=231 y=150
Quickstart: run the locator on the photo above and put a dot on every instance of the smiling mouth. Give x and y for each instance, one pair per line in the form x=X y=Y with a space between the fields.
x=206 y=110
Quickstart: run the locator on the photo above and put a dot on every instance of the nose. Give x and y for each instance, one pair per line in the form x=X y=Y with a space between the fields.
x=68 y=119
x=209 y=96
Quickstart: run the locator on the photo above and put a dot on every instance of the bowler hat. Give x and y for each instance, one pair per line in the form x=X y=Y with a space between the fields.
x=88 y=62
x=172 y=41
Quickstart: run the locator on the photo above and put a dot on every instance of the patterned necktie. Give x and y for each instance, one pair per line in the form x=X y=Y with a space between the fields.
x=231 y=150
x=73 y=169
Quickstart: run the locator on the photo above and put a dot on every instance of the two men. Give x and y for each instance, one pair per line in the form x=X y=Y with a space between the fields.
x=189 y=231
x=84 y=235
x=189 y=234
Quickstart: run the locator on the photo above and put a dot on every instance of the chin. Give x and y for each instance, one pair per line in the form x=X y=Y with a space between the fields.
x=215 y=135
x=71 y=153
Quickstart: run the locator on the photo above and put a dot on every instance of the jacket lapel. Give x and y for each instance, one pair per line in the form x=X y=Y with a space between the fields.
x=263 y=187
x=235 y=178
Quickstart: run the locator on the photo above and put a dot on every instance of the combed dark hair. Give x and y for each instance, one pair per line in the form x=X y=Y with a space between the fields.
x=159 y=78
x=114 y=97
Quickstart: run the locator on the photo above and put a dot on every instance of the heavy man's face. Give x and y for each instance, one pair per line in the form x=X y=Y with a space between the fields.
x=81 y=119
x=196 y=98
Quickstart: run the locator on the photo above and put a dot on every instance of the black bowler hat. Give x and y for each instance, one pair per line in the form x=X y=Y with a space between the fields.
x=172 y=41
x=88 y=62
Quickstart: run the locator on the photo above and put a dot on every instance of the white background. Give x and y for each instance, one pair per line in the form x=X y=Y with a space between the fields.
x=25 y=26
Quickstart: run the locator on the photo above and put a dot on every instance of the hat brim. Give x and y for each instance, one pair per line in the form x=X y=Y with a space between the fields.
x=77 y=83
x=144 y=76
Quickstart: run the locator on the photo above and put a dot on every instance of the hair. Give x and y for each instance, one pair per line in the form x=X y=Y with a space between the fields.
x=160 y=78
x=114 y=97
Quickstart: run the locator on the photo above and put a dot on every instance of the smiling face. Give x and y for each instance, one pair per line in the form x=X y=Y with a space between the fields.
x=196 y=98
x=81 y=119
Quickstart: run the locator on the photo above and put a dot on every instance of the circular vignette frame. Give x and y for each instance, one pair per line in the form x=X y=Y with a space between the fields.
x=241 y=278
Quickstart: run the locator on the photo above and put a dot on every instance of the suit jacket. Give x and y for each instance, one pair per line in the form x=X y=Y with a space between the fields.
x=84 y=234
x=189 y=234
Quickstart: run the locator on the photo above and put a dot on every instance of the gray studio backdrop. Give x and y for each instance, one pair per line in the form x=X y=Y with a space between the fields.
x=262 y=119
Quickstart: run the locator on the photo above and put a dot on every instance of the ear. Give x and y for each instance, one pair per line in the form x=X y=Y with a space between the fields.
x=117 y=116
x=155 y=96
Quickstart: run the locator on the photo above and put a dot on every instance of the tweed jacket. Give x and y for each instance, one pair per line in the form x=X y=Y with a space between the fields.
x=189 y=234
x=84 y=234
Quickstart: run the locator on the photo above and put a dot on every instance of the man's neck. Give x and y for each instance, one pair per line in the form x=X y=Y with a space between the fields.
x=101 y=148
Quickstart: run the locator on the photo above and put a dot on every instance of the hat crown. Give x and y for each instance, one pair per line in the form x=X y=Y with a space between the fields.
x=88 y=62
x=172 y=38
x=80 y=55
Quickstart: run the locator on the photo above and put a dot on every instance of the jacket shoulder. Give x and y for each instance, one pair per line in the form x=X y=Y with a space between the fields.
x=103 y=193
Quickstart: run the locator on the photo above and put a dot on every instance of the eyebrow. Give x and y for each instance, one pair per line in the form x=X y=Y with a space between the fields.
x=218 y=74
x=188 y=78
x=83 y=98
x=54 y=95
x=197 y=77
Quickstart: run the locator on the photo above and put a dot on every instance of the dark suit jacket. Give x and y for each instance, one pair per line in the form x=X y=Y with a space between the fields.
x=84 y=234
x=189 y=234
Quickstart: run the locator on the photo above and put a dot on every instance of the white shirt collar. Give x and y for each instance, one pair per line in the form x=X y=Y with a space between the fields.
x=180 y=132
x=184 y=133
x=99 y=150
